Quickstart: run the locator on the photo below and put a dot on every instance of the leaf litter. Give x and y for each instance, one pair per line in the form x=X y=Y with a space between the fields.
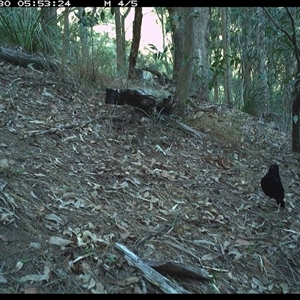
x=79 y=177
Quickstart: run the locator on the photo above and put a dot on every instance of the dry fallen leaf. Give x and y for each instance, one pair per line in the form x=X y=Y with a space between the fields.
x=129 y=280
x=19 y=265
x=3 y=238
x=55 y=240
x=242 y=242
x=30 y=290
x=2 y=279
x=37 y=277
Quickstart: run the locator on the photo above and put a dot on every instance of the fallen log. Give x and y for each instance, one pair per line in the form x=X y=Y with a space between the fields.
x=21 y=58
x=147 y=100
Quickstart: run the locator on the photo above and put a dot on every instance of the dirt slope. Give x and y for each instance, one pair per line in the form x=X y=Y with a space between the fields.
x=77 y=176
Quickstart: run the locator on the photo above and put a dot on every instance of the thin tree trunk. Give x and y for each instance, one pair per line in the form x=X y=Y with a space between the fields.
x=137 y=23
x=65 y=37
x=161 y=14
x=246 y=62
x=120 y=39
x=226 y=43
x=84 y=40
x=177 y=41
x=261 y=75
x=201 y=16
x=50 y=27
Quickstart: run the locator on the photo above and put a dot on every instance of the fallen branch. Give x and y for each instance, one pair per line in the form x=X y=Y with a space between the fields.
x=150 y=274
x=21 y=58
x=190 y=130
x=59 y=128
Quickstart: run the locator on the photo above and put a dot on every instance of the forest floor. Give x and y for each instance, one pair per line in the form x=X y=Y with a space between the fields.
x=79 y=177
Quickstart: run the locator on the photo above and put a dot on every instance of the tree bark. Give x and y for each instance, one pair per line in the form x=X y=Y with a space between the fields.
x=261 y=77
x=65 y=38
x=295 y=120
x=162 y=16
x=84 y=37
x=190 y=26
x=226 y=47
x=184 y=81
x=177 y=41
x=120 y=39
x=49 y=26
x=137 y=23
x=246 y=61
x=201 y=16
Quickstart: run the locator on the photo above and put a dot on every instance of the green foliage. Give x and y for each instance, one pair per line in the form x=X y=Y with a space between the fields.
x=100 y=60
x=21 y=27
x=218 y=65
x=90 y=17
x=101 y=53
x=160 y=60
x=262 y=58
x=105 y=52
x=153 y=62
x=252 y=100
x=158 y=55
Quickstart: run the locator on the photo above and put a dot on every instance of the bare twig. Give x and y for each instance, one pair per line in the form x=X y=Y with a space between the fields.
x=60 y=128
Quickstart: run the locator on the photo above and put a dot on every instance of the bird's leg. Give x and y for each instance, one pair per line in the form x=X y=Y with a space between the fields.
x=279 y=207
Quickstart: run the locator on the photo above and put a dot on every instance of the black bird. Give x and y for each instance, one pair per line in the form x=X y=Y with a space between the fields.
x=272 y=186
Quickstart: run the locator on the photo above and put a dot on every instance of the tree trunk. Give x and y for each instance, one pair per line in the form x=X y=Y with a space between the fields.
x=295 y=128
x=261 y=78
x=226 y=43
x=177 y=35
x=162 y=16
x=120 y=39
x=84 y=36
x=190 y=26
x=246 y=61
x=65 y=38
x=137 y=23
x=183 y=85
x=201 y=16
x=50 y=28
